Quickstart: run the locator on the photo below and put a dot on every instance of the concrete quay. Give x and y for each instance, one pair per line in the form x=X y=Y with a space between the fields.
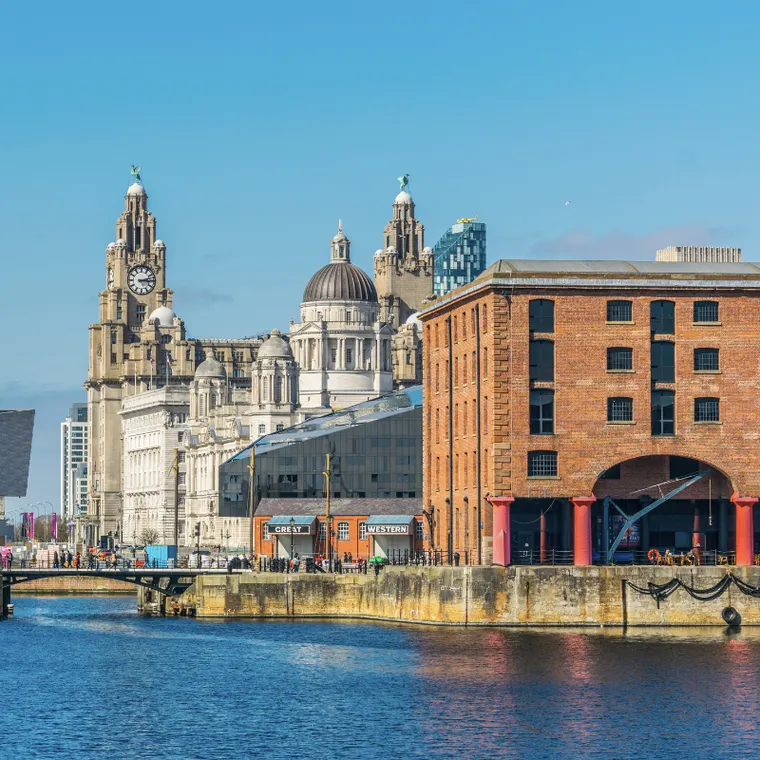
x=512 y=596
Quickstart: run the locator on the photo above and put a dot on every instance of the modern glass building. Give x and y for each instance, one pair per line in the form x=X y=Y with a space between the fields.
x=459 y=256
x=375 y=447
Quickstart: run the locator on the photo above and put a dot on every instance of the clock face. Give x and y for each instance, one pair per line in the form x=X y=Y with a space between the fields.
x=141 y=279
x=110 y=279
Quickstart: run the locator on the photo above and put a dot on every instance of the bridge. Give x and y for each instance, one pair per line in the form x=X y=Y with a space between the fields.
x=170 y=582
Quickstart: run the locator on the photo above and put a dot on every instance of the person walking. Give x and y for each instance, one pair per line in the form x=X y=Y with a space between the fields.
x=9 y=559
x=55 y=560
x=69 y=559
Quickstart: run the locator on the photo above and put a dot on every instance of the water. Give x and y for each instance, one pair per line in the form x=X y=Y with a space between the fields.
x=85 y=677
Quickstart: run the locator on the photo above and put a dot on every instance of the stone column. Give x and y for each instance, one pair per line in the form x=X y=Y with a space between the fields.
x=582 y=529
x=543 y=551
x=501 y=535
x=745 y=530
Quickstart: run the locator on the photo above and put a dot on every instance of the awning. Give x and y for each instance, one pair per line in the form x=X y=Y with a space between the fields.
x=384 y=525
x=302 y=524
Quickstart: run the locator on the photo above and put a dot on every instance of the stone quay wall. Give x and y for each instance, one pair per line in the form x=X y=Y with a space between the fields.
x=73 y=585
x=513 y=596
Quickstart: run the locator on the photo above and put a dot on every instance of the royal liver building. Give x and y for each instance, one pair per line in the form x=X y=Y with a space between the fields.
x=166 y=410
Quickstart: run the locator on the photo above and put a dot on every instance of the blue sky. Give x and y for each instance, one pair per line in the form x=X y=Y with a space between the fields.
x=258 y=125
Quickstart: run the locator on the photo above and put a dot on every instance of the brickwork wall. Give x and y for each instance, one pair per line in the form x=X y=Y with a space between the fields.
x=586 y=443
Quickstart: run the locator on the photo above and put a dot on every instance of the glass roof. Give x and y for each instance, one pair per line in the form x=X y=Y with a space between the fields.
x=394 y=403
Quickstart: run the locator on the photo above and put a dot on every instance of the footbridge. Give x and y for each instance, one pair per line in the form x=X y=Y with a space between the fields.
x=170 y=582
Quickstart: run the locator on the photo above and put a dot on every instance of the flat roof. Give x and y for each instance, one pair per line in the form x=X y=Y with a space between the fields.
x=339 y=507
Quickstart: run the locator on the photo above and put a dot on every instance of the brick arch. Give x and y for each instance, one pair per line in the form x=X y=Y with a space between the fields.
x=725 y=489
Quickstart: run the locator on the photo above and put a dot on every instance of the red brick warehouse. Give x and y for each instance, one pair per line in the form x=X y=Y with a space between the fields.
x=550 y=385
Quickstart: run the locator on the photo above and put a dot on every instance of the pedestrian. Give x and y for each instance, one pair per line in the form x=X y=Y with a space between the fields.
x=90 y=561
x=55 y=560
x=9 y=558
x=377 y=569
x=78 y=561
x=69 y=559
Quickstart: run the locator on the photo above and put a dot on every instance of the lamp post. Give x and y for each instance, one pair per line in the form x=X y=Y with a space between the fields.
x=292 y=536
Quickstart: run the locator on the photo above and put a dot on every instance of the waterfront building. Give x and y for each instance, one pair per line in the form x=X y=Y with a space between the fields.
x=551 y=385
x=459 y=256
x=375 y=480
x=154 y=431
x=74 y=444
x=700 y=253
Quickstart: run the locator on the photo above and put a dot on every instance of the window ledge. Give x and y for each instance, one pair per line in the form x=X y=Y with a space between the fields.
x=663 y=435
x=708 y=372
x=620 y=422
x=621 y=371
x=708 y=422
x=620 y=323
x=543 y=477
x=707 y=324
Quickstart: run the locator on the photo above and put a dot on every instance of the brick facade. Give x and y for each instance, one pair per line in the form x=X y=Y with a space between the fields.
x=477 y=357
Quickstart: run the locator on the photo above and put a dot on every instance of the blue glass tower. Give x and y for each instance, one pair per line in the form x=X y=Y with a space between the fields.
x=459 y=256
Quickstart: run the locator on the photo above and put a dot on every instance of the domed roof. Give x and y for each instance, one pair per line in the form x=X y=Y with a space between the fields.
x=414 y=319
x=164 y=315
x=340 y=281
x=136 y=189
x=210 y=368
x=427 y=251
x=159 y=244
x=379 y=252
x=275 y=347
x=403 y=197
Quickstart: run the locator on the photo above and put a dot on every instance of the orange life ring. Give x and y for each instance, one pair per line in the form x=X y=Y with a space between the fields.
x=653 y=555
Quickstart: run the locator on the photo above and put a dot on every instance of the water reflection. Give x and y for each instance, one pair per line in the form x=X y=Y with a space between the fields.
x=177 y=688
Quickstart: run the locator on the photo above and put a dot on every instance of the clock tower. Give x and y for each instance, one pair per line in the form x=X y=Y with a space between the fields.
x=135 y=286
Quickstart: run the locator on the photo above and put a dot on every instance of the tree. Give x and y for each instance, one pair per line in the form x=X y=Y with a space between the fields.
x=149 y=536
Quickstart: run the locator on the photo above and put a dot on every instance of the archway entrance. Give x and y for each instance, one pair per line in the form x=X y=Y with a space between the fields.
x=674 y=507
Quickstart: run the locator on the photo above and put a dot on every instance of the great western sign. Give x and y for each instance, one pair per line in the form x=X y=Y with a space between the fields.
x=397 y=530
x=296 y=529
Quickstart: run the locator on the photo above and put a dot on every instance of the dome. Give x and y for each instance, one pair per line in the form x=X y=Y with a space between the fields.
x=414 y=319
x=379 y=252
x=210 y=368
x=135 y=189
x=110 y=246
x=340 y=281
x=121 y=243
x=275 y=347
x=159 y=244
x=427 y=251
x=403 y=197
x=163 y=315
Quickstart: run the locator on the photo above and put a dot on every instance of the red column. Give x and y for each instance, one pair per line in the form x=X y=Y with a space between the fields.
x=582 y=529
x=501 y=536
x=542 y=549
x=745 y=529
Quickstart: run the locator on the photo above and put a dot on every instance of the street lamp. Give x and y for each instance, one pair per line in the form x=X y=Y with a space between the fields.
x=292 y=536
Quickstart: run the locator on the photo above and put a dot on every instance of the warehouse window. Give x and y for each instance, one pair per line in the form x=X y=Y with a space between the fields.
x=343 y=532
x=705 y=311
x=706 y=360
x=619 y=311
x=663 y=361
x=663 y=413
x=542 y=360
x=362 y=531
x=706 y=410
x=542 y=464
x=619 y=359
x=541 y=316
x=663 y=317
x=620 y=409
x=542 y=412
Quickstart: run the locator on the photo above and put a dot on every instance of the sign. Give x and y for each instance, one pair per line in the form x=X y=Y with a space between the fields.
x=384 y=530
x=632 y=537
x=287 y=530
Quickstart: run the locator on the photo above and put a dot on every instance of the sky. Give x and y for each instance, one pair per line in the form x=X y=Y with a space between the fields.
x=259 y=125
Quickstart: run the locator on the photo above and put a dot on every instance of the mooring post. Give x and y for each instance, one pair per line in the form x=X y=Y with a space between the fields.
x=6 y=598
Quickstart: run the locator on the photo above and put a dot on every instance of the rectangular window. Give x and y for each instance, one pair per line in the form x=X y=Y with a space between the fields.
x=362 y=531
x=663 y=413
x=619 y=359
x=619 y=311
x=333 y=355
x=542 y=464
x=542 y=360
x=279 y=427
x=140 y=313
x=419 y=530
x=706 y=360
x=322 y=531
x=663 y=361
x=620 y=409
x=348 y=317
x=705 y=311
x=181 y=478
x=349 y=356
x=180 y=436
x=706 y=410
x=262 y=429
x=662 y=316
x=266 y=532
x=541 y=316
x=542 y=412
x=180 y=457
x=343 y=532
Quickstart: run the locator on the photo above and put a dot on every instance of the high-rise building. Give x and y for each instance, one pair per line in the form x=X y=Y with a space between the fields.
x=459 y=256
x=75 y=438
x=700 y=253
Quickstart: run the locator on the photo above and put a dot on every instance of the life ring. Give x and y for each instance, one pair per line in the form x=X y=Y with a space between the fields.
x=653 y=555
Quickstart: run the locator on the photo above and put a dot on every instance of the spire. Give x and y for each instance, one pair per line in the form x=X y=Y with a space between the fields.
x=136 y=226
x=340 y=246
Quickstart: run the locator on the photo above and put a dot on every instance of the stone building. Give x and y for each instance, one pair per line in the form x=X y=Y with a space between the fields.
x=551 y=385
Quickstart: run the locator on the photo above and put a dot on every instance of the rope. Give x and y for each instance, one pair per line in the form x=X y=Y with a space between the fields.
x=660 y=592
